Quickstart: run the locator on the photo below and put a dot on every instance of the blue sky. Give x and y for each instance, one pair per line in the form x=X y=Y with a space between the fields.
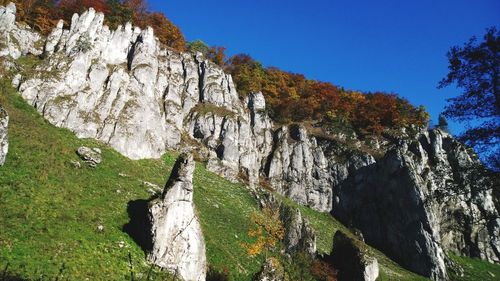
x=388 y=45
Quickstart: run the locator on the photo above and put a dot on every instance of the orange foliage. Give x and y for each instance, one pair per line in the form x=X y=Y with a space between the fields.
x=292 y=98
x=269 y=231
x=98 y=5
x=42 y=20
x=44 y=14
x=138 y=9
x=217 y=55
x=166 y=31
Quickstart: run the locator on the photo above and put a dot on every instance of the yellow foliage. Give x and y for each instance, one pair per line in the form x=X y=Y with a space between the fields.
x=269 y=231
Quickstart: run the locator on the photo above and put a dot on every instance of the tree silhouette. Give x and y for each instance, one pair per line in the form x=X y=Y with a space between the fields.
x=475 y=69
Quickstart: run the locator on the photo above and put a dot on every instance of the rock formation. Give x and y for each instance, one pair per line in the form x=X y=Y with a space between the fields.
x=178 y=243
x=353 y=263
x=271 y=270
x=91 y=156
x=4 y=136
x=428 y=195
x=299 y=235
x=17 y=39
x=123 y=88
x=298 y=169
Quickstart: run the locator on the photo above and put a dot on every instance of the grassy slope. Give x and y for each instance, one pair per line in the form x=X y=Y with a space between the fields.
x=50 y=210
x=475 y=269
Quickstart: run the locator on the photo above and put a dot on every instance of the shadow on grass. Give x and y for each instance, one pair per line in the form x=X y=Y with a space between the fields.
x=9 y=277
x=139 y=227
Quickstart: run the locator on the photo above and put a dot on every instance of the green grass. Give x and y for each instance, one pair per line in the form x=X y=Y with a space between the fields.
x=475 y=269
x=206 y=108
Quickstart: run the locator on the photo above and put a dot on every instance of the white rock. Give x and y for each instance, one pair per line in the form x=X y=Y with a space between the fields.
x=4 y=136
x=178 y=243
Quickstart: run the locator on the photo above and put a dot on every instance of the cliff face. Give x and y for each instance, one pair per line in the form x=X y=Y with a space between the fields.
x=122 y=88
x=428 y=195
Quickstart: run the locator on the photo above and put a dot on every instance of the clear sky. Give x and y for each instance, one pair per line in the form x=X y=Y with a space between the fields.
x=388 y=45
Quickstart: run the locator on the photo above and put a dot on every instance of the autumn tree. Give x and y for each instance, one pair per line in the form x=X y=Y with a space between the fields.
x=217 y=54
x=138 y=9
x=248 y=74
x=475 y=68
x=267 y=234
x=166 y=31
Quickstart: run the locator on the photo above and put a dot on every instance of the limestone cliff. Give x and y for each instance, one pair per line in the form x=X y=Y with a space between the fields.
x=415 y=196
x=424 y=198
x=123 y=88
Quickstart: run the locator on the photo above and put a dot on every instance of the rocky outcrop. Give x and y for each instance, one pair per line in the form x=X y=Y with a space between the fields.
x=4 y=136
x=91 y=156
x=299 y=235
x=271 y=270
x=16 y=39
x=177 y=240
x=352 y=261
x=299 y=169
x=424 y=198
x=125 y=89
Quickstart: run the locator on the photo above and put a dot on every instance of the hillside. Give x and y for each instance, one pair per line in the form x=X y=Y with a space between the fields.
x=50 y=213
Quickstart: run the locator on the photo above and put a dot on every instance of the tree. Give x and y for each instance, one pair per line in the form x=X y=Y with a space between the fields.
x=475 y=68
x=268 y=232
x=442 y=123
x=197 y=46
x=165 y=30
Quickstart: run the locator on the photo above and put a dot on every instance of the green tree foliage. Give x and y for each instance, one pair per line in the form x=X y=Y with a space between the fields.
x=475 y=68
x=215 y=54
x=197 y=46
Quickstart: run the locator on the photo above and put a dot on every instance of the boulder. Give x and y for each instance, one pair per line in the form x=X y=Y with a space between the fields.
x=91 y=156
x=177 y=239
x=7 y=17
x=4 y=136
x=351 y=260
